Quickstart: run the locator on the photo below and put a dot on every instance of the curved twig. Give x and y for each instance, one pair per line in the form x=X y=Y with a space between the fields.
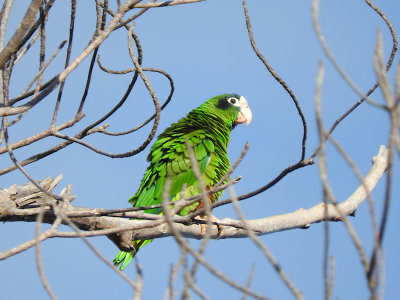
x=321 y=39
x=166 y=102
x=373 y=88
x=279 y=79
x=67 y=60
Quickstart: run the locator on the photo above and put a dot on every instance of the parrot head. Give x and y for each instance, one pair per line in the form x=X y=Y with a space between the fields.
x=231 y=108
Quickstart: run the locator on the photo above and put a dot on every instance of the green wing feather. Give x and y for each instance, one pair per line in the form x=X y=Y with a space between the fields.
x=169 y=157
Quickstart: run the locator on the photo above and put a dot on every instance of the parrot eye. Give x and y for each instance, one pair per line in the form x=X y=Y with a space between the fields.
x=232 y=100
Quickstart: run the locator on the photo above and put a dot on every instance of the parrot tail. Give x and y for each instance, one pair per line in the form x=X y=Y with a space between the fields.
x=124 y=258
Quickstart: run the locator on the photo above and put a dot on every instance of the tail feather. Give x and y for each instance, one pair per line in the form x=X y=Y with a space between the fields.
x=123 y=258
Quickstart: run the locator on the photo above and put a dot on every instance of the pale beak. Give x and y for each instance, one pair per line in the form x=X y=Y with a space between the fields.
x=245 y=115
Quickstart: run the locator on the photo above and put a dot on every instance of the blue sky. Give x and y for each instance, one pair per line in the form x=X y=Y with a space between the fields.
x=205 y=48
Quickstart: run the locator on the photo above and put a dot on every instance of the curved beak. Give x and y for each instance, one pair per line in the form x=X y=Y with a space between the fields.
x=245 y=114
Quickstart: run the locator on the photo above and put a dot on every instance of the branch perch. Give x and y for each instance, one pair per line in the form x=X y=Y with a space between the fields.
x=15 y=206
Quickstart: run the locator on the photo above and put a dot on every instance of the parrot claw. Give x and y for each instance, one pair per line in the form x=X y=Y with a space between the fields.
x=203 y=227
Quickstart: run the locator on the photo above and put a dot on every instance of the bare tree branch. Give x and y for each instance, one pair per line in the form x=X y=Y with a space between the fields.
x=155 y=228
x=13 y=43
x=37 y=203
x=165 y=3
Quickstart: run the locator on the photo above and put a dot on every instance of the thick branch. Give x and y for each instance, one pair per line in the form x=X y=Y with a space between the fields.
x=12 y=45
x=20 y=203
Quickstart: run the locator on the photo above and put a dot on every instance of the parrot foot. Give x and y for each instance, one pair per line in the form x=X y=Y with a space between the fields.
x=203 y=227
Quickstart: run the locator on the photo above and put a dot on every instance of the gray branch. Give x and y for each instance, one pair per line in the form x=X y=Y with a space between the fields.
x=24 y=202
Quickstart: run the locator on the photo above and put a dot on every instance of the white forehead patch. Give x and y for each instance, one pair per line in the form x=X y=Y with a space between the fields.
x=242 y=100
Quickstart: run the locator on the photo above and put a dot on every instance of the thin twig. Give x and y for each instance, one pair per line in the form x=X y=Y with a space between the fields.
x=249 y=280
x=139 y=282
x=373 y=88
x=173 y=273
x=321 y=39
x=194 y=253
x=31 y=31
x=4 y=15
x=279 y=79
x=12 y=45
x=67 y=60
x=39 y=261
x=322 y=167
x=134 y=70
x=204 y=199
x=41 y=135
x=381 y=74
x=318 y=98
x=278 y=269
x=165 y=3
x=43 y=69
x=48 y=152
x=140 y=71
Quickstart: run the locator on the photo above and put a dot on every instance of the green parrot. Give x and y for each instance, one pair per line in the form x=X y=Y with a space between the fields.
x=206 y=129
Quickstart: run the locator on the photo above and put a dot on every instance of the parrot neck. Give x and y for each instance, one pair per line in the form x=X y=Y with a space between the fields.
x=213 y=125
